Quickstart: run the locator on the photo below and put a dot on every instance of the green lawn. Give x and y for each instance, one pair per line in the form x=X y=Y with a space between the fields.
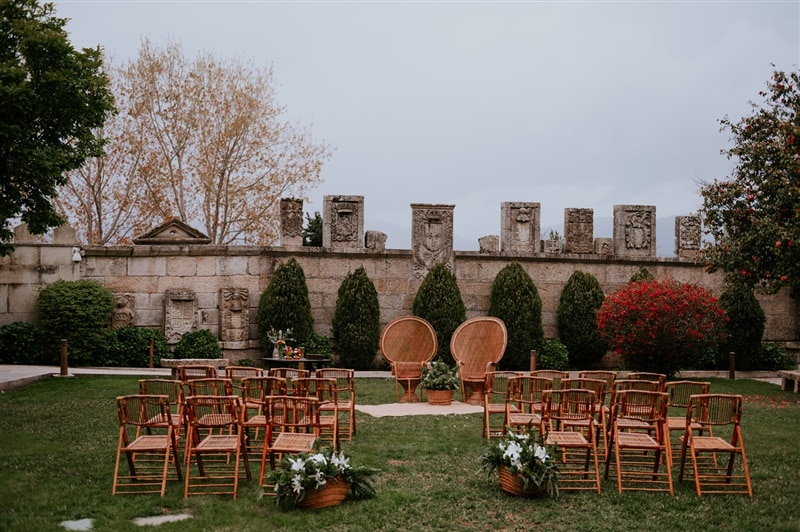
x=58 y=438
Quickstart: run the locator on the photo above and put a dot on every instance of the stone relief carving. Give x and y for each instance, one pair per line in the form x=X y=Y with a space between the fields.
x=489 y=244
x=123 y=314
x=375 y=241
x=635 y=230
x=343 y=222
x=578 y=231
x=431 y=237
x=687 y=236
x=235 y=309
x=291 y=222
x=604 y=246
x=519 y=226
x=180 y=314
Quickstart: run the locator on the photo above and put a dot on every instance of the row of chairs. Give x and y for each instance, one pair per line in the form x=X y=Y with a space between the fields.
x=635 y=427
x=225 y=424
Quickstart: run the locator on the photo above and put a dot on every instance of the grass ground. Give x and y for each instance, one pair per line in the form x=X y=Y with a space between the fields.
x=58 y=438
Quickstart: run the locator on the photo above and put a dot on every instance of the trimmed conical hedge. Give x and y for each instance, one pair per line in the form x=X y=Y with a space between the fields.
x=438 y=301
x=580 y=300
x=356 y=321
x=745 y=328
x=285 y=304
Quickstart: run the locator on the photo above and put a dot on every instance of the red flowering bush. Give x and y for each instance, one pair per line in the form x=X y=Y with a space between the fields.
x=658 y=325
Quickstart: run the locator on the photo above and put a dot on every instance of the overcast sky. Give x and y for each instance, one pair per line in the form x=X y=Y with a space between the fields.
x=569 y=104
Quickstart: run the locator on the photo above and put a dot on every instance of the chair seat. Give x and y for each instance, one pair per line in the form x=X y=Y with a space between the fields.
x=499 y=408
x=218 y=443
x=160 y=420
x=216 y=419
x=679 y=423
x=639 y=440
x=711 y=443
x=524 y=419
x=151 y=442
x=566 y=439
x=628 y=423
x=259 y=420
x=293 y=442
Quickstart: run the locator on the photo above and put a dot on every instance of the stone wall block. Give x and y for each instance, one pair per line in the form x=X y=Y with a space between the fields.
x=144 y=266
x=181 y=266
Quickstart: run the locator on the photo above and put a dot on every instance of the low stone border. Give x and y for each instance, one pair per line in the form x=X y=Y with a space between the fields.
x=175 y=363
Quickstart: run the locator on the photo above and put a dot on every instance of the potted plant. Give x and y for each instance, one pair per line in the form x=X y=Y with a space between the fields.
x=439 y=379
x=319 y=479
x=525 y=465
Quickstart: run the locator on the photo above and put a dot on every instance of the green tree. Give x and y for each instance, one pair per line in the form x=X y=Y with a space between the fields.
x=753 y=216
x=580 y=300
x=356 y=322
x=285 y=304
x=439 y=301
x=312 y=232
x=745 y=327
x=52 y=97
x=514 y=299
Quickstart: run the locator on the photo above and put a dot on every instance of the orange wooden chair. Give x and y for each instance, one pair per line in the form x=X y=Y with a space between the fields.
x=524 y=401
x=293 y=427
x=494 y=402
x=345 y=398
x=326 y=393
x=408 y=343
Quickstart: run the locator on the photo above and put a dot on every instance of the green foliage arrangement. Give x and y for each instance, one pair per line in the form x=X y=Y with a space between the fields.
x=439 y=301
x=514 y=299
x=752 y=216
x=576 y=315
x=318 y=344
x=657 y=325
x=312 y=232
x=744 y=329
x=20 y=343
x=356 y=321
x=774 y=358
x=198 y=344
x=437 y=375
x=553 y=355
x=78 y=311
x=526 y=455
x=129 y=347
x=642 y=276
x=285 y=304
x=54 y=98
x=294 y=475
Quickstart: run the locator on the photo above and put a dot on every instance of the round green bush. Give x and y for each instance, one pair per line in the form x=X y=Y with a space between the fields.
x=285 y=305
x=20 y=343
x=356 y=322
x=514 y=299
x=774 y=358
x=744 y=329
x=130 y=347
x=576 y=315
x=198 y=344
x=79 y=312
x=438 y=301
x=553 y=355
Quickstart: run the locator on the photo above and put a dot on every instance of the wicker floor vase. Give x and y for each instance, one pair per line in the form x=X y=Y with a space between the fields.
x=512 y=484
x=439 y=397
x=332 y=493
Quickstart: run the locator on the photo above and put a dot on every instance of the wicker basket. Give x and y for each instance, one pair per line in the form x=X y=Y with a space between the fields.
x=332 y=493
x=439 y=397
x=512 y=484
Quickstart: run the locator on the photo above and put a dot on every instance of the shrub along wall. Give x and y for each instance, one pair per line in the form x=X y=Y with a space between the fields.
x=147 y=272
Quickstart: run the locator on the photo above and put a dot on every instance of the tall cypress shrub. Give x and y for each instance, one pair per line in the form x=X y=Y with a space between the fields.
x=576 y=315
x=515 y=300
x=439 y=301
x=285 y=304
x=356 y=322
x=744 y=329
x=79 y=312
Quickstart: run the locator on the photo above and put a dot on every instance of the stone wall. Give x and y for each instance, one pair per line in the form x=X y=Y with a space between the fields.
x=147 y=272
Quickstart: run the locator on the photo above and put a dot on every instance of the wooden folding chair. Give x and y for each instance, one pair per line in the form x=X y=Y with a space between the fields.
x=236 y=373
x=255 y=391
x=640 y=441
x=289 y=374
x=660 y=378
x=216 y=455
x=524 y=401
x=196 y=371
x=293 y=427
x=148 y=455
x=494 y=402
x=326 y=393
x=568 y=418
x=598 y=388
x=724 y=413
x=172 y=389
x=678 y=393
x=552 y=374
x=345 y=398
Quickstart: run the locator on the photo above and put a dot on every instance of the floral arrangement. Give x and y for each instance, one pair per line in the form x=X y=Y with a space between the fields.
x=437 y=375
x=526 y=455
x=279 y=337
x=294 y=475
x=658 y=325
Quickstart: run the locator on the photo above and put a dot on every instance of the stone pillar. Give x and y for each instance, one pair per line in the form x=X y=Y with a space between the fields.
x=519 y=226
x=343 y=222
x=375 y=241
x=291 y=222
x=234 y=306
x=579 y=231
x=604 y=246
x=431 y=236
x=180 y=314
x=489 y=244
x=687 y=237
x=635 y=230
